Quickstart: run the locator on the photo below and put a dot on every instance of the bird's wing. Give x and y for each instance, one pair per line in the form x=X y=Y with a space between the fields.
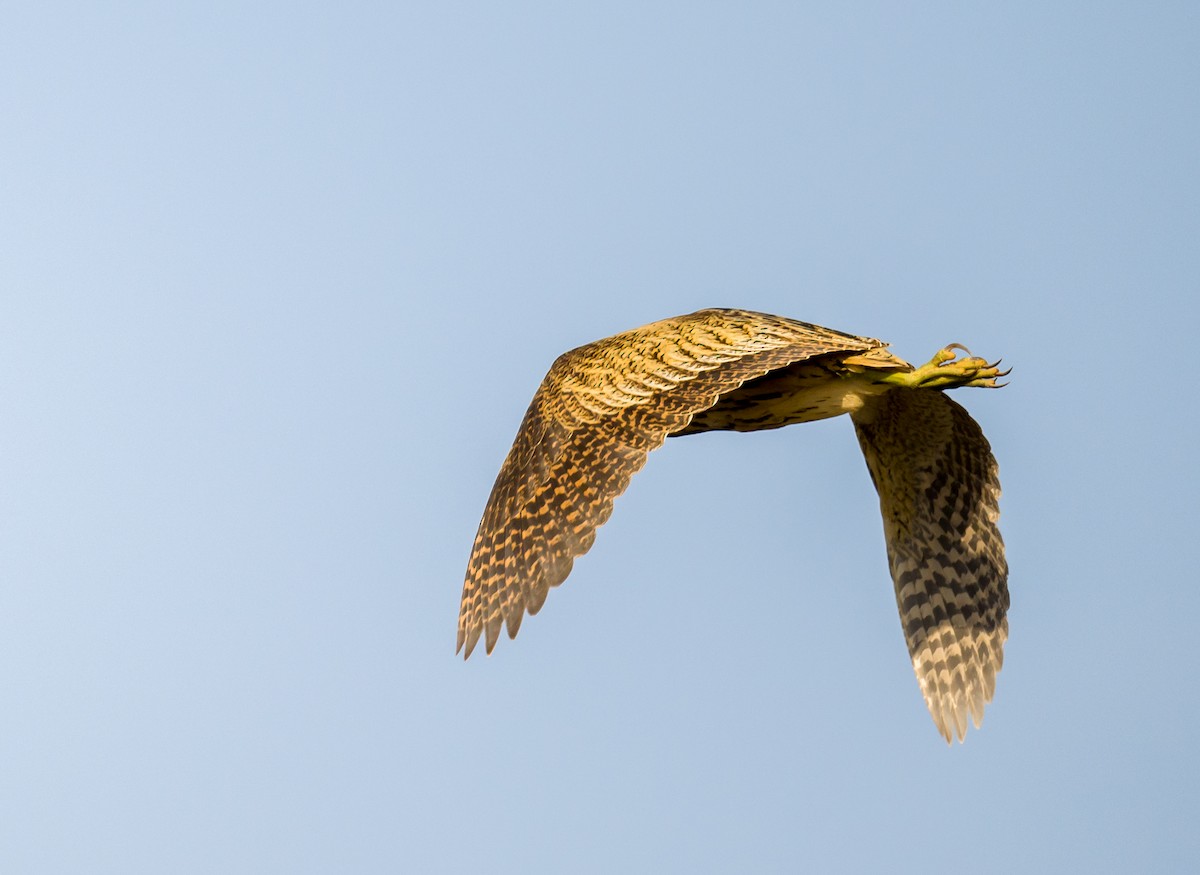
x=600 y=410
x=939 y=493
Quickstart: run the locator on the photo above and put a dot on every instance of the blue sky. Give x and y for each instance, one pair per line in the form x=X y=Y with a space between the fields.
x=279 y=281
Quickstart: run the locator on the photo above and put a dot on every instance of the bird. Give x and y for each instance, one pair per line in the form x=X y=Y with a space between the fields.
x=604 y=406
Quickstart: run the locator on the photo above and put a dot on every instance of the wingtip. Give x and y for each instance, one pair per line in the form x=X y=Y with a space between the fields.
x=943 y=727
x=957 y=717
x=467 y=639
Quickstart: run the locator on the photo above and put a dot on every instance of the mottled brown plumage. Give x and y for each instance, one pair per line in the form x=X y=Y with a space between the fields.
x=939 y=494
x=604 y=406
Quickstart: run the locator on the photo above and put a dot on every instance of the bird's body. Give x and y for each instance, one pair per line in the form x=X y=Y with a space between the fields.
x=604 y=406
x=804 y=391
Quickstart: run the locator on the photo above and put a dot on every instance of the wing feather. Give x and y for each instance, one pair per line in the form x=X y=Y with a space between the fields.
x=598 y=413
x=939 y=493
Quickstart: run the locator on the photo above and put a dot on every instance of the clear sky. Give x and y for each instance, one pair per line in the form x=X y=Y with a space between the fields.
x=279 y=280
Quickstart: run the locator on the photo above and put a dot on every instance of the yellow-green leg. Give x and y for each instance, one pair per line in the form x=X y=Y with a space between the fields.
x=947 y=371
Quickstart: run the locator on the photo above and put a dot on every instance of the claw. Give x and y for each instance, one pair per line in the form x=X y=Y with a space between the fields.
x=948 y=350
x=947 y=354
x=973 y=363
x=1000 y=374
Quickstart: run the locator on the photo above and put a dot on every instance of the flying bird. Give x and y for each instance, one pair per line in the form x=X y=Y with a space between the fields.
x=604 y=406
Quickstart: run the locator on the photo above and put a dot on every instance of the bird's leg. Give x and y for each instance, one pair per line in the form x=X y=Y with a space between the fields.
x=947 y=371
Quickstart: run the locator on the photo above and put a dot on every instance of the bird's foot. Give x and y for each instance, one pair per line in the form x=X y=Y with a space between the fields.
x=947 y=371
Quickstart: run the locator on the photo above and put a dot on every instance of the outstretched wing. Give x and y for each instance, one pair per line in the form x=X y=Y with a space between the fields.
x=600 y=410
x=939 y=493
